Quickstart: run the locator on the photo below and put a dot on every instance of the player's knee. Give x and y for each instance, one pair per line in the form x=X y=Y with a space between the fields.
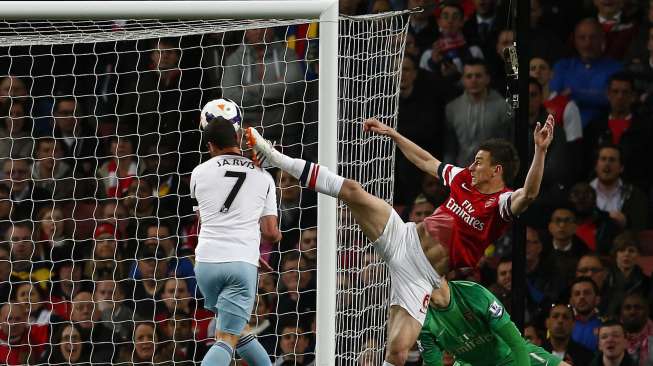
x=230 y=339
x=397 y=356
x=349 y=190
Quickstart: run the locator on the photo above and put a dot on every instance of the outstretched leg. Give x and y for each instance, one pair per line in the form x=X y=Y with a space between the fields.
x=370 y=212
x=403 y=331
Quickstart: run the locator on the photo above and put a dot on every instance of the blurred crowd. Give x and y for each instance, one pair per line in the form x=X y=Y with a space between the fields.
x=98 y=140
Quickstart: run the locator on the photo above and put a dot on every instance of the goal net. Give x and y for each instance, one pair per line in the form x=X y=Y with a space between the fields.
x=98 y=139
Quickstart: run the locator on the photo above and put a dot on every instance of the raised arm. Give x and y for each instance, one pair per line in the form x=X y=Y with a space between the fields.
x=415 y=154
x=543 y=135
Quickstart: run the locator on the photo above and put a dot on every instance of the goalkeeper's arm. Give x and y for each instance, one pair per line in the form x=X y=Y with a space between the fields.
x=415 y=154
x=510 y=334
x=431 y=352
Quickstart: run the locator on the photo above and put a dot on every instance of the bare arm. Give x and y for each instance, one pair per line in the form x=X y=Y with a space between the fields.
x=415 y=154
x=269 y=229
x=523 y=197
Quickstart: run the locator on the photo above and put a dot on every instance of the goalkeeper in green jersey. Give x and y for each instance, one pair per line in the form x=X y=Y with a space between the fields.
x=470 y=323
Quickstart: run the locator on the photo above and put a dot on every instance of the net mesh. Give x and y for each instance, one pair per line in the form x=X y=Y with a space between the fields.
x=99 y=135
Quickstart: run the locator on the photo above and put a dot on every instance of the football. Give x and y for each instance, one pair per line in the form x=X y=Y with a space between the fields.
x=224 y=108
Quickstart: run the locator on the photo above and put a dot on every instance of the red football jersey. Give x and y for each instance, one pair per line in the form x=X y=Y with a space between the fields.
x=468 y=221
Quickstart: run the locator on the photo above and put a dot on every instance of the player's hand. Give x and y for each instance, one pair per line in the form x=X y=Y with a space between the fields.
x=619 y=218
x=376 y=126
x=543 y=135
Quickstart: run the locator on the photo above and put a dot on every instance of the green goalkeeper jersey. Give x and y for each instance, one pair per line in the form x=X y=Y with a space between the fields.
x=474 y=328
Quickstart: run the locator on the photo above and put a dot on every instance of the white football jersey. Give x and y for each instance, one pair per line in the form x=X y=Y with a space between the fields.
x=232 y=195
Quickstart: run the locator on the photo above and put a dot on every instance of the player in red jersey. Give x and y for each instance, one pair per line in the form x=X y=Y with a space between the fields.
x=477 y=212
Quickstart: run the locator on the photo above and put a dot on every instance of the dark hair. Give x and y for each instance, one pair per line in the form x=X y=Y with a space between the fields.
x=622 y=76
x=611 y=323
x=476 y=61
x=452 y=4
x=502 y=153
x=623 y=241
x=220 y=132
x=532 y=80
x=609 y=146
x=567 y=206
x=582 y=279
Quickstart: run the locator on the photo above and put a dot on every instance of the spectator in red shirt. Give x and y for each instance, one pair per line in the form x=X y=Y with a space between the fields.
x=622 y=127
x=20 y=343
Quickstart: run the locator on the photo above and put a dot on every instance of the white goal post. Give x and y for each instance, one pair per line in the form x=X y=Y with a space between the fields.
x=369 y=160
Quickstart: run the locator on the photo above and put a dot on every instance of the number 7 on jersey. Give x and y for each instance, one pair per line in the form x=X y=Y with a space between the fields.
x=240 y=178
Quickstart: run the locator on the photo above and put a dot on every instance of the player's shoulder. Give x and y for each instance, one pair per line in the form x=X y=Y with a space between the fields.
x=472 y=288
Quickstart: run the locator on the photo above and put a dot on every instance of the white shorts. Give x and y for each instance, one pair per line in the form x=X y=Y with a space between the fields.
x=411 y=275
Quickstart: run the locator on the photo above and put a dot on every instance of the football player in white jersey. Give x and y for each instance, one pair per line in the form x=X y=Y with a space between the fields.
x=237 y=205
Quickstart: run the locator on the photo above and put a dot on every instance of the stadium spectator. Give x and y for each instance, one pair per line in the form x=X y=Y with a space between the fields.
x=482 y=27
x=50 y=172
x=76 y=134
x=116 y=312
x=563 y=108
x=536 y=276
x=67 y=346
x=21 y=343
x=541 y=37
x=12 y=90
x=141 y=201
x=626 y=204
x=449 y=51
x=33 y=296
x=619 y=27
x=122 y=167
x=294 y=346
x=477 y=115
x=178 y=333
x=594 y=227
x=638 y=327
x=612 y=346
x=26 y=198
x=422 y=26
x=584 y=300
x=106 y=258
x=622 y=127
x=591 y=265
x=153 y=268
x=161 y=102
x=86 y=315
x=625 y=276
x=433 y=189
x=15 y=137
x=565 y=251
x=420 y=209
x=562 y=164
x=308 y=247
x=585 y=77
x=559 y=325
x=158 y=235
x=298 y=292
x=169 y=186
x=147 y=347
x=66 y=286
x=421 y=119
x=266 y=80
x=533 y=334
x=640 y=65
x=113 y=212
x=502 y=287
x=28 y=261
x=52 y=231
x=496 y=59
